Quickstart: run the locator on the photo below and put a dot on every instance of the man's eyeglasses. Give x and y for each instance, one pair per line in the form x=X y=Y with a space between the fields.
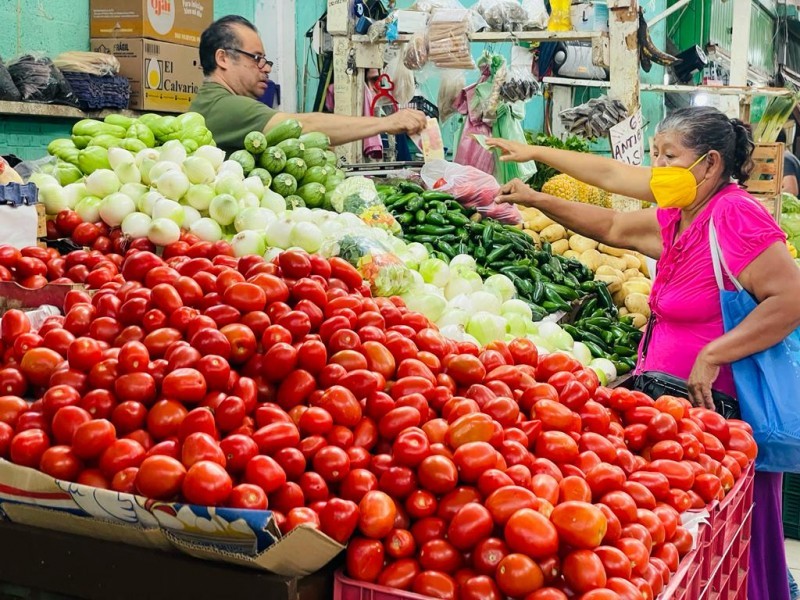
x=261 y=60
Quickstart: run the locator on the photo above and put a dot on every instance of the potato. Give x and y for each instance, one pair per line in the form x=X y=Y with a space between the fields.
x=560 y=247
x=619 y=297
x=632 y=262
x=581 y=244
x=637 y=287
x=623 y=311
x=631 y=274
x=638 y=303
x=592 y=259
x=610 y=280
x=534 y=236
x=572 y=254
x=540 y=222
x=607 y=270
x=643 y=264
x=618 y=252
x=553 y=233
x=639 y=320
x=614 y=261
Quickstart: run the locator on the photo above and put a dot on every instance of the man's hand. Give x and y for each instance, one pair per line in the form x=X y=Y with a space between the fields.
x=517 y=192
x=511 y=151
x=407 y=120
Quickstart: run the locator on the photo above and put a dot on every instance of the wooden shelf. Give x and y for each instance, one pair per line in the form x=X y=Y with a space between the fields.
x=58 y=111
x=676 y=89
x=510 y=36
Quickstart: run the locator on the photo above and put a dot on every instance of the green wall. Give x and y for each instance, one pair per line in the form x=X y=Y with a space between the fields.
x=52 y=27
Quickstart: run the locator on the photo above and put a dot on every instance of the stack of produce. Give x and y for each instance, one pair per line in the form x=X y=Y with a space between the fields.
x=448 y=469
x=790 y=222
x=624 y=271
x=547 y=282
x=300 y=167
x=569 y=188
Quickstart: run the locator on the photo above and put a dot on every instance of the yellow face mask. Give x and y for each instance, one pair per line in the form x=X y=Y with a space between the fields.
x=674 y=187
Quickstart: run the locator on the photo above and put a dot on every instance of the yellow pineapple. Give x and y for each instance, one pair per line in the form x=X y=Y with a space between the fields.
x=569 y=188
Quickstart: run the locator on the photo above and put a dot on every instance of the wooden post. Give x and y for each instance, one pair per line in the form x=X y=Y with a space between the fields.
x=740 y=42
x=561 y=100
x=623 y=25
x=348 y=87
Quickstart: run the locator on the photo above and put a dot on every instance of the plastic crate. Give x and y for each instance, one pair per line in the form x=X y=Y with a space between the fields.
x=717 y=568
x=791 y=506
x=345 y=588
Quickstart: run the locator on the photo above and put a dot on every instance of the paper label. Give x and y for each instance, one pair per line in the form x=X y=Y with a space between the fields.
x=627 y=139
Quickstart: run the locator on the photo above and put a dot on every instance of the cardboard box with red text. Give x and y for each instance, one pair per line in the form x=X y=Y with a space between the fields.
x=176 y=21
x=164 y=77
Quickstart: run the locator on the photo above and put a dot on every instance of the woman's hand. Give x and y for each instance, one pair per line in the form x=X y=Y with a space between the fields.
x=703 y=375
x=517 y=192
x=511 y=151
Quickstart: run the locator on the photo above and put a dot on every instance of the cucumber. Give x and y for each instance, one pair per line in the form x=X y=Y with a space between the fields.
x=330 y=158
x=263 y=175
x=244 y=158
x=295 y=167
x=315 y=139
x=314 y=157
x=285 y=130
x=313 y=194
x=273 y=160
x=293 y=148
x=294 y=201
x=255 y=142
x=284 y=184
x=315 y=175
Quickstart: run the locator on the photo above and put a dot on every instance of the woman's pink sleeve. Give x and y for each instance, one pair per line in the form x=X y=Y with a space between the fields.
x=744 y=229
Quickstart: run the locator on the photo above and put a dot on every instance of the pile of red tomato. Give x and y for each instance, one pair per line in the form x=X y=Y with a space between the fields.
x=451 y=471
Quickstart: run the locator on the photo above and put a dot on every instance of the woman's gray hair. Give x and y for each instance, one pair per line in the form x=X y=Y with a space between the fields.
x=704 y=128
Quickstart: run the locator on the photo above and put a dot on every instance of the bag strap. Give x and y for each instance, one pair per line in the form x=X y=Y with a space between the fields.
x=718 y=259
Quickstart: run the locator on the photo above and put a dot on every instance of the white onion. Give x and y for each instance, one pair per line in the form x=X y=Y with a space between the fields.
x=136 y=225
x=206 y=229
x=163 y=232
x=115 y=207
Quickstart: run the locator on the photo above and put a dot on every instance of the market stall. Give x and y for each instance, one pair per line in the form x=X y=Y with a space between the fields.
x=258 y=371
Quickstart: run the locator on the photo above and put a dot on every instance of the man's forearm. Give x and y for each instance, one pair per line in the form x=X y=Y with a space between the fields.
x=341 y=129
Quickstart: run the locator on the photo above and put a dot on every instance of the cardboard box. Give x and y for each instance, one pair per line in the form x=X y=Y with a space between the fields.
x=13 y=295
x=589 y=16
x=243 y=537
x=177 y=21
x=164 y=77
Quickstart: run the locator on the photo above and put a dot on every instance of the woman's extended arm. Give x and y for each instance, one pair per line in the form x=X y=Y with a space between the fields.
x=637 y=230
x=605 y=173
x=774 y=280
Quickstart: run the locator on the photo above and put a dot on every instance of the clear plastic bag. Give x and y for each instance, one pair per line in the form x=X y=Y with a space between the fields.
x=8 y=89
x=38 y=80
x=502 y=15
x=415 y=54
x=537 y=15
x=448 y=40
x=519 y=84
x=450 y=86
x=402 y=78
x=471 y=187
x=385 y=272
x=358 y=195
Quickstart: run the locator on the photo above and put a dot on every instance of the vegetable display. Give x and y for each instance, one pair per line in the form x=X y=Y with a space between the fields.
x=448 y=469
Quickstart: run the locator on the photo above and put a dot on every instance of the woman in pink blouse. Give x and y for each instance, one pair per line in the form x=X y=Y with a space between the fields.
x=687 y=335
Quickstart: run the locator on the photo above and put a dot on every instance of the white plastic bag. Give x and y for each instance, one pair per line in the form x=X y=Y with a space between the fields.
x=537 y=14
x=450 y=86
x=502 y=15
x=402 y=78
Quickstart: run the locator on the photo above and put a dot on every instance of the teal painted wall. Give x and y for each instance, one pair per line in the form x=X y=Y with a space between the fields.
x=52 y=27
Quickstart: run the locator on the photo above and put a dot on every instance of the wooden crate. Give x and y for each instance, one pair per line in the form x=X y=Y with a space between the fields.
x=767 y=177
x=41 y=225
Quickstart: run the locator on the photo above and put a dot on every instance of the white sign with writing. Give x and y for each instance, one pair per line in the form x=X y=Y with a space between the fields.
x=627 y=139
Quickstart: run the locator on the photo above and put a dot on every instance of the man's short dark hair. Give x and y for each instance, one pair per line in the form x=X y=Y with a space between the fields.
x=220 y=34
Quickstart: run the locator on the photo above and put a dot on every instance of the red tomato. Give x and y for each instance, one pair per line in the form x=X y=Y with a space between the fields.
x=471 y=524
x=90 y=439
x=160 y=477
x=377 y=513
x=364 y=559
x=247 y=496
x=60 y=462
x=517 y=575
x=164 y=418
x=579 y=524
x=437 y=474
x=435 y=584
x=264 y=472
x=120 y=455
x=339 y=519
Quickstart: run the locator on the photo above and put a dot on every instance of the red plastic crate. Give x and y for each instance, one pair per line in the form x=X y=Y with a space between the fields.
x=715 y=570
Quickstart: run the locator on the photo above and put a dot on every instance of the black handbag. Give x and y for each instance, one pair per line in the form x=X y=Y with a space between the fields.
x=657 y=383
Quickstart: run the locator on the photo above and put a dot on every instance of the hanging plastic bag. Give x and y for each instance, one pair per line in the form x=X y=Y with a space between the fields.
x=358 y=195
x=415 y=54
x=509 y=127
x=502 y=15
x=519 y=84
x=448 y=40
x=451 y=84
x=8 y=90
x=402 y=78
x=536 y=13
x=469 y=151
x=471 y=187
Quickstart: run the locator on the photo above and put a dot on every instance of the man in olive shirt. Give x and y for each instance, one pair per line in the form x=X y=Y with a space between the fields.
x=236 y=71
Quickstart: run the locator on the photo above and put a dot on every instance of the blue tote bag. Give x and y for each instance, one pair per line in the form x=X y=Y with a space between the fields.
x=767 y=383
